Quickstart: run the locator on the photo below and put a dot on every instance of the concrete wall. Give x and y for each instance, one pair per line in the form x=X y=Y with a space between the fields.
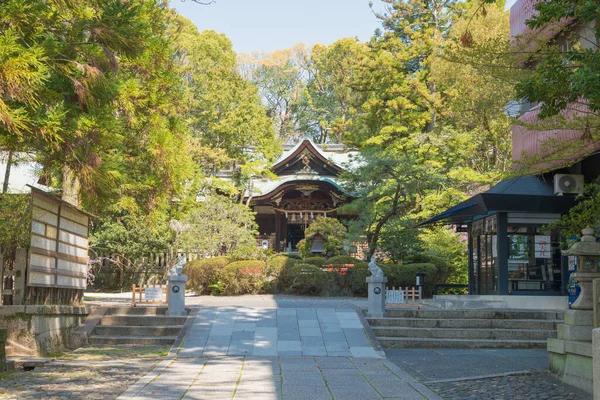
x=39 y=330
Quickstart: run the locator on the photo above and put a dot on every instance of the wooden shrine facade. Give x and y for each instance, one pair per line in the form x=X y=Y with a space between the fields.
x=304 y=190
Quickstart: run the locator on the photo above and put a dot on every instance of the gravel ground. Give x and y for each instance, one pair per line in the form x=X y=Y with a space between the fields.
x=99 y=372
x=534 y=386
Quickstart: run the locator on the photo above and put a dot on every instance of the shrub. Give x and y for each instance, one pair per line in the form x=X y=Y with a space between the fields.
x=316 y=261
x=278 y=263
x=356 y=279
x=303 y=279
x=204 y=273
x=405 y=275
x=243 y=277
x=341 y=260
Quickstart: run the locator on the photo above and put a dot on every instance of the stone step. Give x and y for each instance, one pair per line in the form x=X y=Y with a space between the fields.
x=467 y=323
x=141 y=320
x=400 y=342
x=135 y=340
x=471 y=334
x=479 y=314
x=143 y=310
x=128 y=330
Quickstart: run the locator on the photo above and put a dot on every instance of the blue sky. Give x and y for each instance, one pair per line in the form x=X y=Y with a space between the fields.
x=267 y=25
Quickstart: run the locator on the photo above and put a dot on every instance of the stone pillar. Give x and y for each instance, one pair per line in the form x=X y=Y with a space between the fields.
x=177 y=295
x=596 y=305
x=376 y=296
x=19 y=277
x=596 y=350
x=2 y=350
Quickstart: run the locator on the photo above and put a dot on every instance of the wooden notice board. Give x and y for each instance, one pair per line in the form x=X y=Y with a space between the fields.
x=58 y=254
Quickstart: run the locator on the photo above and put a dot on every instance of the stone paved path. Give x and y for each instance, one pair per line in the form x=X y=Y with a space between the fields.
x=273 y=378
x=284 y=332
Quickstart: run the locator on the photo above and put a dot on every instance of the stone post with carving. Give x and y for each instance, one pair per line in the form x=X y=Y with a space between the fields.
x=376 y=294
x=177 y=290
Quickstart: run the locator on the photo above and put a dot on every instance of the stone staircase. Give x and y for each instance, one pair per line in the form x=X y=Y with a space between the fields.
x=502 y=329
x=136 y=325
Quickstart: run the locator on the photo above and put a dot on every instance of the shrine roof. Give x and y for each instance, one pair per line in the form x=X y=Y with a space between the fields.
x=335 y=155
x=263 y=187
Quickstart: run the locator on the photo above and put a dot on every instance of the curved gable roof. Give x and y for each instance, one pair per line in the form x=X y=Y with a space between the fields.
x=291 y=158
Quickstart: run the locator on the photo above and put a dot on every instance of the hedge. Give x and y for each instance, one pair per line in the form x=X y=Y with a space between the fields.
x=243 y=277
x=316 y=261
x=278 y=263
x=203 y=275
x=405 y=275
x=340 y=260
x=303 y=279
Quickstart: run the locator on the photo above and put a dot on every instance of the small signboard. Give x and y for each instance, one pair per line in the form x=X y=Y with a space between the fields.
x=543 y=248
x=394 y=296
x=153 y=293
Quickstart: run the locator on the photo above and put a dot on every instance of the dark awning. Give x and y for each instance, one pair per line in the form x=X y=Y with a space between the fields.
x=523 y=194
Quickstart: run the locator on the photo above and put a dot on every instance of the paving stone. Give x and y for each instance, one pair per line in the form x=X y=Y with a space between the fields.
x=305 y=392
x=286 y=345
x=334 y=363
x=304 y=331
x=362 y=351
x=242 y=335
x=244 y=326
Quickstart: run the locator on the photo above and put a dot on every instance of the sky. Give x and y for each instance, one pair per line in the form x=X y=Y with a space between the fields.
x=267 y=25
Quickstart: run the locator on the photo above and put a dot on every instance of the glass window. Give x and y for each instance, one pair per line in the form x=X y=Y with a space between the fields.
x=533 y=260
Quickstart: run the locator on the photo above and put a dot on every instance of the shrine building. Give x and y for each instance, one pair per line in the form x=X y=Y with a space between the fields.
x=306 y=187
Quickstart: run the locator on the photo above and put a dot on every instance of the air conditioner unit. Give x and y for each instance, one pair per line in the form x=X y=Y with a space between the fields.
x=568 y=183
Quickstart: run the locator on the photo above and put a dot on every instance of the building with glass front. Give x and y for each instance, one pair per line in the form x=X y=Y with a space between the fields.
x=511 y=250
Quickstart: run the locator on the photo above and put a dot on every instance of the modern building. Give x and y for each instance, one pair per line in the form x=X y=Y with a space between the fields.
x=306 y=187
x=511 y=251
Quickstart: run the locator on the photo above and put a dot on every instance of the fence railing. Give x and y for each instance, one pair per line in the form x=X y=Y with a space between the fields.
x=113 y=271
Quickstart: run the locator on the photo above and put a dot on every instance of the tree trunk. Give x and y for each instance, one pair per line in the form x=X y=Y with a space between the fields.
x=9 y=163
x=71 y=187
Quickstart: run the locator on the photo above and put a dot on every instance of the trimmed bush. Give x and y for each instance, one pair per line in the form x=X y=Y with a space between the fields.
x=278 y=263
x=243 y=277
x=205 y=273
x=303 y=279
x=316 y=261
x=405 y=275
x=356 y=279
x=340 y=260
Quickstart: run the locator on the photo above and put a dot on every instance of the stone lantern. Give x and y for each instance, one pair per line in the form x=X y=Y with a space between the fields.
x=587 y=252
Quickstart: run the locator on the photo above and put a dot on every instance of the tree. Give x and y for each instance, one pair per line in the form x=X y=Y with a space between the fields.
x=326 y=106
x=280 y=79
x=216 y=226
x=333 y=232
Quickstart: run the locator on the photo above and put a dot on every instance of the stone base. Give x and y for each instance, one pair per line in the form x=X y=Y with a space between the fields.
x=571 y=353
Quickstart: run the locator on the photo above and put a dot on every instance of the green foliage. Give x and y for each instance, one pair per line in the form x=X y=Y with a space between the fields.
x=342 y=260
x=586 y=213
x=217 y=226
x=316 y=261
x=203 y=274
x=243 y=277
x=356 y=279
x=404 y=275
x=280 y=262
x=448 y=251
x=15 y=222
x=303 y=279
x=400 y=242
x=333 y=232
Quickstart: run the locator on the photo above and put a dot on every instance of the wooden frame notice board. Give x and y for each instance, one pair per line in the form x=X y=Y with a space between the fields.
x=58 y=254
